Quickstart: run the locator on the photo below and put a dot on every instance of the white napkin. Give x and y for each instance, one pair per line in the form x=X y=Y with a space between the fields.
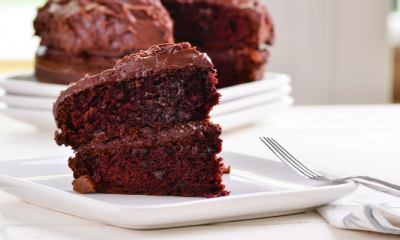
x=364 y=209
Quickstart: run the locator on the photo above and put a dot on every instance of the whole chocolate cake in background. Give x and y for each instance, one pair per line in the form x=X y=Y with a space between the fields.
x=144 y=126
x=236 y=66
x=81 y=37
x=232 y=32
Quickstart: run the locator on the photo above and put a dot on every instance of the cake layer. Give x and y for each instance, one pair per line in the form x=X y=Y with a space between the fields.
x=236 y=66
x=182 y=164
x=55 y=66
x=103 y=27
x=166 y=86
x=221 y=24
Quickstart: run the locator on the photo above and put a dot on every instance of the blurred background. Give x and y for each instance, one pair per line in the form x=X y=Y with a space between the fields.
x=336 y=51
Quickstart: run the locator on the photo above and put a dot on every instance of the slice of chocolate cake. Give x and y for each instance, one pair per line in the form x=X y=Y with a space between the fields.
x=143 y=127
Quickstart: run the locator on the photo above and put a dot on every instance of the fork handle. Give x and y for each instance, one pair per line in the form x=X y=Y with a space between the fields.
x=376 y=184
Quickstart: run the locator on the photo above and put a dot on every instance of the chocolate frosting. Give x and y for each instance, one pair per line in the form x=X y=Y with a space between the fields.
x=104 y=27
x=151 y=137
x=139 y=65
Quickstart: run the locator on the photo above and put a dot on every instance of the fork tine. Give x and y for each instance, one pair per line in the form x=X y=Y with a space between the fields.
x=286 y=159
x=302 y=165
x=272 y=149
x=294 y=160
x=283 y=158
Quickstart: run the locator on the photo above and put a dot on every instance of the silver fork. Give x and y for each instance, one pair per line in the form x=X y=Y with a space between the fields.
x=307 y=172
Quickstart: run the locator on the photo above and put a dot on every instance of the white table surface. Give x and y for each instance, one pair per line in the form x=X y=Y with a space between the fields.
x=362 y=140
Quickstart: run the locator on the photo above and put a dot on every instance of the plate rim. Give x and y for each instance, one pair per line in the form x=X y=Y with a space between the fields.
x=8 y=78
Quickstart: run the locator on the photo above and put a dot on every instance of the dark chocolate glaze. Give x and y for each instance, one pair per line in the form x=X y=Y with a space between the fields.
x=111 y=28
x=140 y=65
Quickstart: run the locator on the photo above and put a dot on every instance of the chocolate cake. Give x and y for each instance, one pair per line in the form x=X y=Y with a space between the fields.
x=236 y=66
x=232 y=32
x=143 y=127
x=81 y=37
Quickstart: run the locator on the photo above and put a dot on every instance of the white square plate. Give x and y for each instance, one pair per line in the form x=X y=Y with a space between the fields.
x=44 y=120
x=30 y=101
x=25 y=83
x=260 y=188
x=46 y=103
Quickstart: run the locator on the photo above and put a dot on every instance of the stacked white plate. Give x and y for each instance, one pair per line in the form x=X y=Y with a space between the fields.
x=25 y=99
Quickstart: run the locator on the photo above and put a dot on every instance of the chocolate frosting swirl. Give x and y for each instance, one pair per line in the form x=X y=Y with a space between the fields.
x=104 y=27
x=162 y=56
x=139 y=65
